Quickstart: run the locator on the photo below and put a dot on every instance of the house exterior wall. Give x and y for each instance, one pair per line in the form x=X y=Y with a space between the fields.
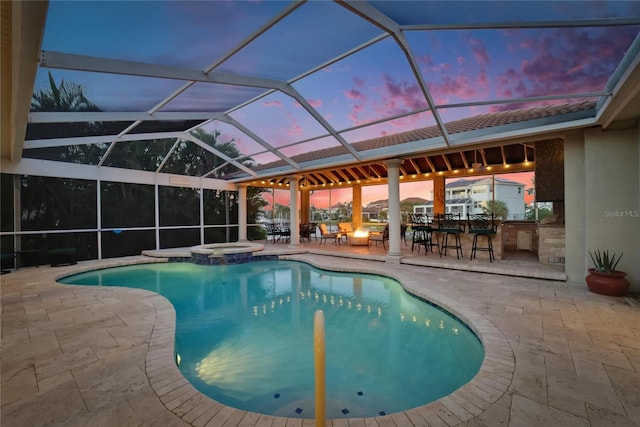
x=513 y=196
x=604 y=197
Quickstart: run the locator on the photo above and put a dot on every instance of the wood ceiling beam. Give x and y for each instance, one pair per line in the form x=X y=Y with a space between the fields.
x=313 y=179
x=446 y=161
x=415 y=166
x=484 y=156
x=321 y=179
x=375 y=171
x=331 y=176
x=464 y=160
x=365 y=174
x=343 y=175
x=354 y=175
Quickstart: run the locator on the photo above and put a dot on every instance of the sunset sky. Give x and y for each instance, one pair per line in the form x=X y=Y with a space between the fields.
x=422 y=189
x=376 y=83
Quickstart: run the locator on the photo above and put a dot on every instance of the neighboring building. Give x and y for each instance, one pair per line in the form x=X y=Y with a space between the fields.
x=471 y=195
x=371 y=212
x=336 y=212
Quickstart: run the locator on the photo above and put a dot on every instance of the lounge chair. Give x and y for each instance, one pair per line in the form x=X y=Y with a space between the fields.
x=325 y=235
x=346 y=230
x=380 y=237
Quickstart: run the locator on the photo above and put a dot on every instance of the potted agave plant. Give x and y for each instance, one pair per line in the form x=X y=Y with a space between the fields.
x=604 y=279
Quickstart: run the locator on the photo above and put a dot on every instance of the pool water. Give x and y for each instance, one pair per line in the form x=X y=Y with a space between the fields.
x=244 y=336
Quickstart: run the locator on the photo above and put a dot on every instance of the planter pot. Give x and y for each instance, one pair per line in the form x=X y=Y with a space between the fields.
x=612 y=284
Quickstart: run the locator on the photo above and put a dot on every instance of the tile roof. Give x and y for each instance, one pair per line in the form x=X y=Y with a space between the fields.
x=482 y=121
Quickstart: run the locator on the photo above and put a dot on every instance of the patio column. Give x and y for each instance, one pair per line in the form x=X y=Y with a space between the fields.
x=242 y=213
x=294 y=224
x=438 y=195
x=393 y=183
x=304 y=204
x=356 y=206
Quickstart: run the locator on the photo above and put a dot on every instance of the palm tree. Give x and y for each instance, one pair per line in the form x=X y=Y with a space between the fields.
x=497 y=207
x=66 y=97
x=63 y=97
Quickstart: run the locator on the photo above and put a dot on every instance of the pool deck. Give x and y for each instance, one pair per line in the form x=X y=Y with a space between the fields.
x=556 y=353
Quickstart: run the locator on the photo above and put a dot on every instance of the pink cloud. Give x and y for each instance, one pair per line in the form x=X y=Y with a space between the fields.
x=402 y=96
x=566 y=60
x=527 y=44
x=294 y=129
x=354 y=94
x=353 y=116
x=479 y=51
x=395 y=97
x=462 y=87
x=277 y=104
x=359 y=82
x=426 y=63
x=315 y=103
x=483 y=79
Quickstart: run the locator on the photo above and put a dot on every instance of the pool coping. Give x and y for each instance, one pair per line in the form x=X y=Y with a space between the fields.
x=181 y=398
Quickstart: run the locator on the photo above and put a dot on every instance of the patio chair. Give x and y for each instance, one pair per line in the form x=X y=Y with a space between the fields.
x=380 y=237
x=325 y=235
x=451 y=225
x=482 y=225
x=284 y=233
x=305 y=232
x=308 y=230
x=273 y=232
x=346 y=230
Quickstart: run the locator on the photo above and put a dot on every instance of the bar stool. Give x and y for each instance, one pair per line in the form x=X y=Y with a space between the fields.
x=432 y=233
x=403 y=233
x=418 y=232
x=451 y=225
x=482 y=225
x=420 y=236
x=422 y=227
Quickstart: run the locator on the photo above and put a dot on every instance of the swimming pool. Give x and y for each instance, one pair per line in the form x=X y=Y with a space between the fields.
x=244 y=336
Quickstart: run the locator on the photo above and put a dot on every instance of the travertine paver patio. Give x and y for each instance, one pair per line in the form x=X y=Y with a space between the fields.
x=556 y=354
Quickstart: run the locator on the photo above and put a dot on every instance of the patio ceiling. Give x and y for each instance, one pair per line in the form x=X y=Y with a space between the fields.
x=479 y=161
x=327 y=91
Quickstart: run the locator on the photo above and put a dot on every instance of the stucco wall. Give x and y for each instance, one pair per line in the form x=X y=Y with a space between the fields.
x=612 y=196
x=574 y=207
